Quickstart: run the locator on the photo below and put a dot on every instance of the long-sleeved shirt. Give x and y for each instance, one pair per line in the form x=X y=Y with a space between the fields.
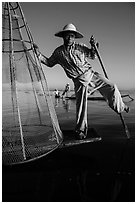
x=74 y=61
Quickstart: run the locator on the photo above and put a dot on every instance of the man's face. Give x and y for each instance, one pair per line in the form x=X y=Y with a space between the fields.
x=69 y=38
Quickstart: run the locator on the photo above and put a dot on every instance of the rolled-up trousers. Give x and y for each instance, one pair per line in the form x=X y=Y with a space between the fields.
x=107 y=89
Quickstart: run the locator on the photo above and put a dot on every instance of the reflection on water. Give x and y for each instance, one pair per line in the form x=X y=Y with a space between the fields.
x=66 y=104
x=62 y=102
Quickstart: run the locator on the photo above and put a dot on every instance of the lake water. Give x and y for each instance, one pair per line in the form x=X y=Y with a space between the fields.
x=95 y=172
x=100 y=116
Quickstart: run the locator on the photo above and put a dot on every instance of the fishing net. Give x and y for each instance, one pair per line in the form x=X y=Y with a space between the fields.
x=30 y=126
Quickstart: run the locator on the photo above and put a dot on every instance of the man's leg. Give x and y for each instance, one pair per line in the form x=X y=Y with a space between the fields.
x=110 y=92
x=63 y=92
x=81 y=108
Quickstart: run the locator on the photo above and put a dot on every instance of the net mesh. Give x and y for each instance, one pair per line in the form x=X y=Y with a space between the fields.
x=30 y=126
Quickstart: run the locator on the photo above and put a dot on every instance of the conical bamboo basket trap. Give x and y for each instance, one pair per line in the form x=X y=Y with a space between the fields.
x=30 y=126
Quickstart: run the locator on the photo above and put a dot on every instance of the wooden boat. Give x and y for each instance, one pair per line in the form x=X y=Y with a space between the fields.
x=97 y=98
x=70 y=139
x=89 y=98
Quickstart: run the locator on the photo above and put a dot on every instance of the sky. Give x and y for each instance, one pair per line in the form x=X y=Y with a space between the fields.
x=112 y=24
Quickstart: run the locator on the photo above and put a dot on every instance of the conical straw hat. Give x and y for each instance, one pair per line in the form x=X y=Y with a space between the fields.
x=71 y=28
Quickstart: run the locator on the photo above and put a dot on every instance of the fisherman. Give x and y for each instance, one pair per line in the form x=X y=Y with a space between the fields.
x=72 y=56
x=57 y=93
x=66 y=90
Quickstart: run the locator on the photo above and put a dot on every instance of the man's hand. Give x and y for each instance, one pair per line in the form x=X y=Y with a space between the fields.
x=36 y=49
x=93 y=41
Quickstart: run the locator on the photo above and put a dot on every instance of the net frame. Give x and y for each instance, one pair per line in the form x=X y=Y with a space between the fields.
x=10 y=12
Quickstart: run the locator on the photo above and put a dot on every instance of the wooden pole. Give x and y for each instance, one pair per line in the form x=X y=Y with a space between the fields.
x=14 y=80
x=102 y=65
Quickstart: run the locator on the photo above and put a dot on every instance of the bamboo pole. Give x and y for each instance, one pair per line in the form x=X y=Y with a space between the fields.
x=105 y=73
x=14 y=80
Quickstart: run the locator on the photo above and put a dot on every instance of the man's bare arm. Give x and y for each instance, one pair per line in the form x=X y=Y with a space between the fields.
x=42 y=58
